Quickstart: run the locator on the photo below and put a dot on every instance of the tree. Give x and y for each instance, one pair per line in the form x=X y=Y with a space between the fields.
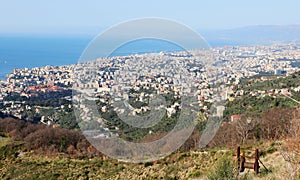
x=290 y=148
x=245 y=126
x=276 y=123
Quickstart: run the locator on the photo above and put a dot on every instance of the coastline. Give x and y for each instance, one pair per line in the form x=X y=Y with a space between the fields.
x=29 y=52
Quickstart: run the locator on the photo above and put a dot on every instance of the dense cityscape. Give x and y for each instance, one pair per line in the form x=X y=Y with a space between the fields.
x=233 y=64
x=250 y=93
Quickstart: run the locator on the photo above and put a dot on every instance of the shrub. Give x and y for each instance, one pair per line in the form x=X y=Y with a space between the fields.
x=195 y=174
x=47 y=140
x=224 y=169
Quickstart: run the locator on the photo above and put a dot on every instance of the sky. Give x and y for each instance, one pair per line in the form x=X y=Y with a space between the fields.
x=94 y=16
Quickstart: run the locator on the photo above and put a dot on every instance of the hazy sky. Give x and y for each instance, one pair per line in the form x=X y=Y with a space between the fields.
x=93 y=16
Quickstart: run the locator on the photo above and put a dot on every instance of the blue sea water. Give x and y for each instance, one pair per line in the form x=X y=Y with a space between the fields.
x=30 y=51
x=38 y=51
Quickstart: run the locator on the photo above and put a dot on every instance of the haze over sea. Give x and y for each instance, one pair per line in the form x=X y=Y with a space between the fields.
x=31 y=51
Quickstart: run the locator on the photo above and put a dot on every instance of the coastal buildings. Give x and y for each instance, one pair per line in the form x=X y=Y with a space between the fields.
x=109 y=80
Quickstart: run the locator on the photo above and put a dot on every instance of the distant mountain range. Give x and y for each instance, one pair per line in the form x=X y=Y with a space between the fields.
x=262 y=35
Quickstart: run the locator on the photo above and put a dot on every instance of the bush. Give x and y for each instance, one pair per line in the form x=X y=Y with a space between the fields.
x=2 y=134
x=224 y=169
x=47 y=140
x=195 y=174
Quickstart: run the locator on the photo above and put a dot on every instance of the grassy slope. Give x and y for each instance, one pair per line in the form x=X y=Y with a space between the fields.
x=193 y=164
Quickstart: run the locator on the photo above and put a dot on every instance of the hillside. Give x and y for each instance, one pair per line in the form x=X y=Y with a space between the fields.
x=260 y=34
x=262 y=93
x=267 y=121
x=52 y=158
x=199 y=164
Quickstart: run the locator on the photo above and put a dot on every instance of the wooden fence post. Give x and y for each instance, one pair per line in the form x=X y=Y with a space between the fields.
x=241 y=162
x=238 y=160
x=256 y=164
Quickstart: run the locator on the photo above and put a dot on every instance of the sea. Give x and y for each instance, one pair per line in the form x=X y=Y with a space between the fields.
x=29 y=51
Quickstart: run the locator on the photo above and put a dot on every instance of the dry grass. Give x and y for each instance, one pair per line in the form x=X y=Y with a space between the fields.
x=4 y=141
x=188 y=165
